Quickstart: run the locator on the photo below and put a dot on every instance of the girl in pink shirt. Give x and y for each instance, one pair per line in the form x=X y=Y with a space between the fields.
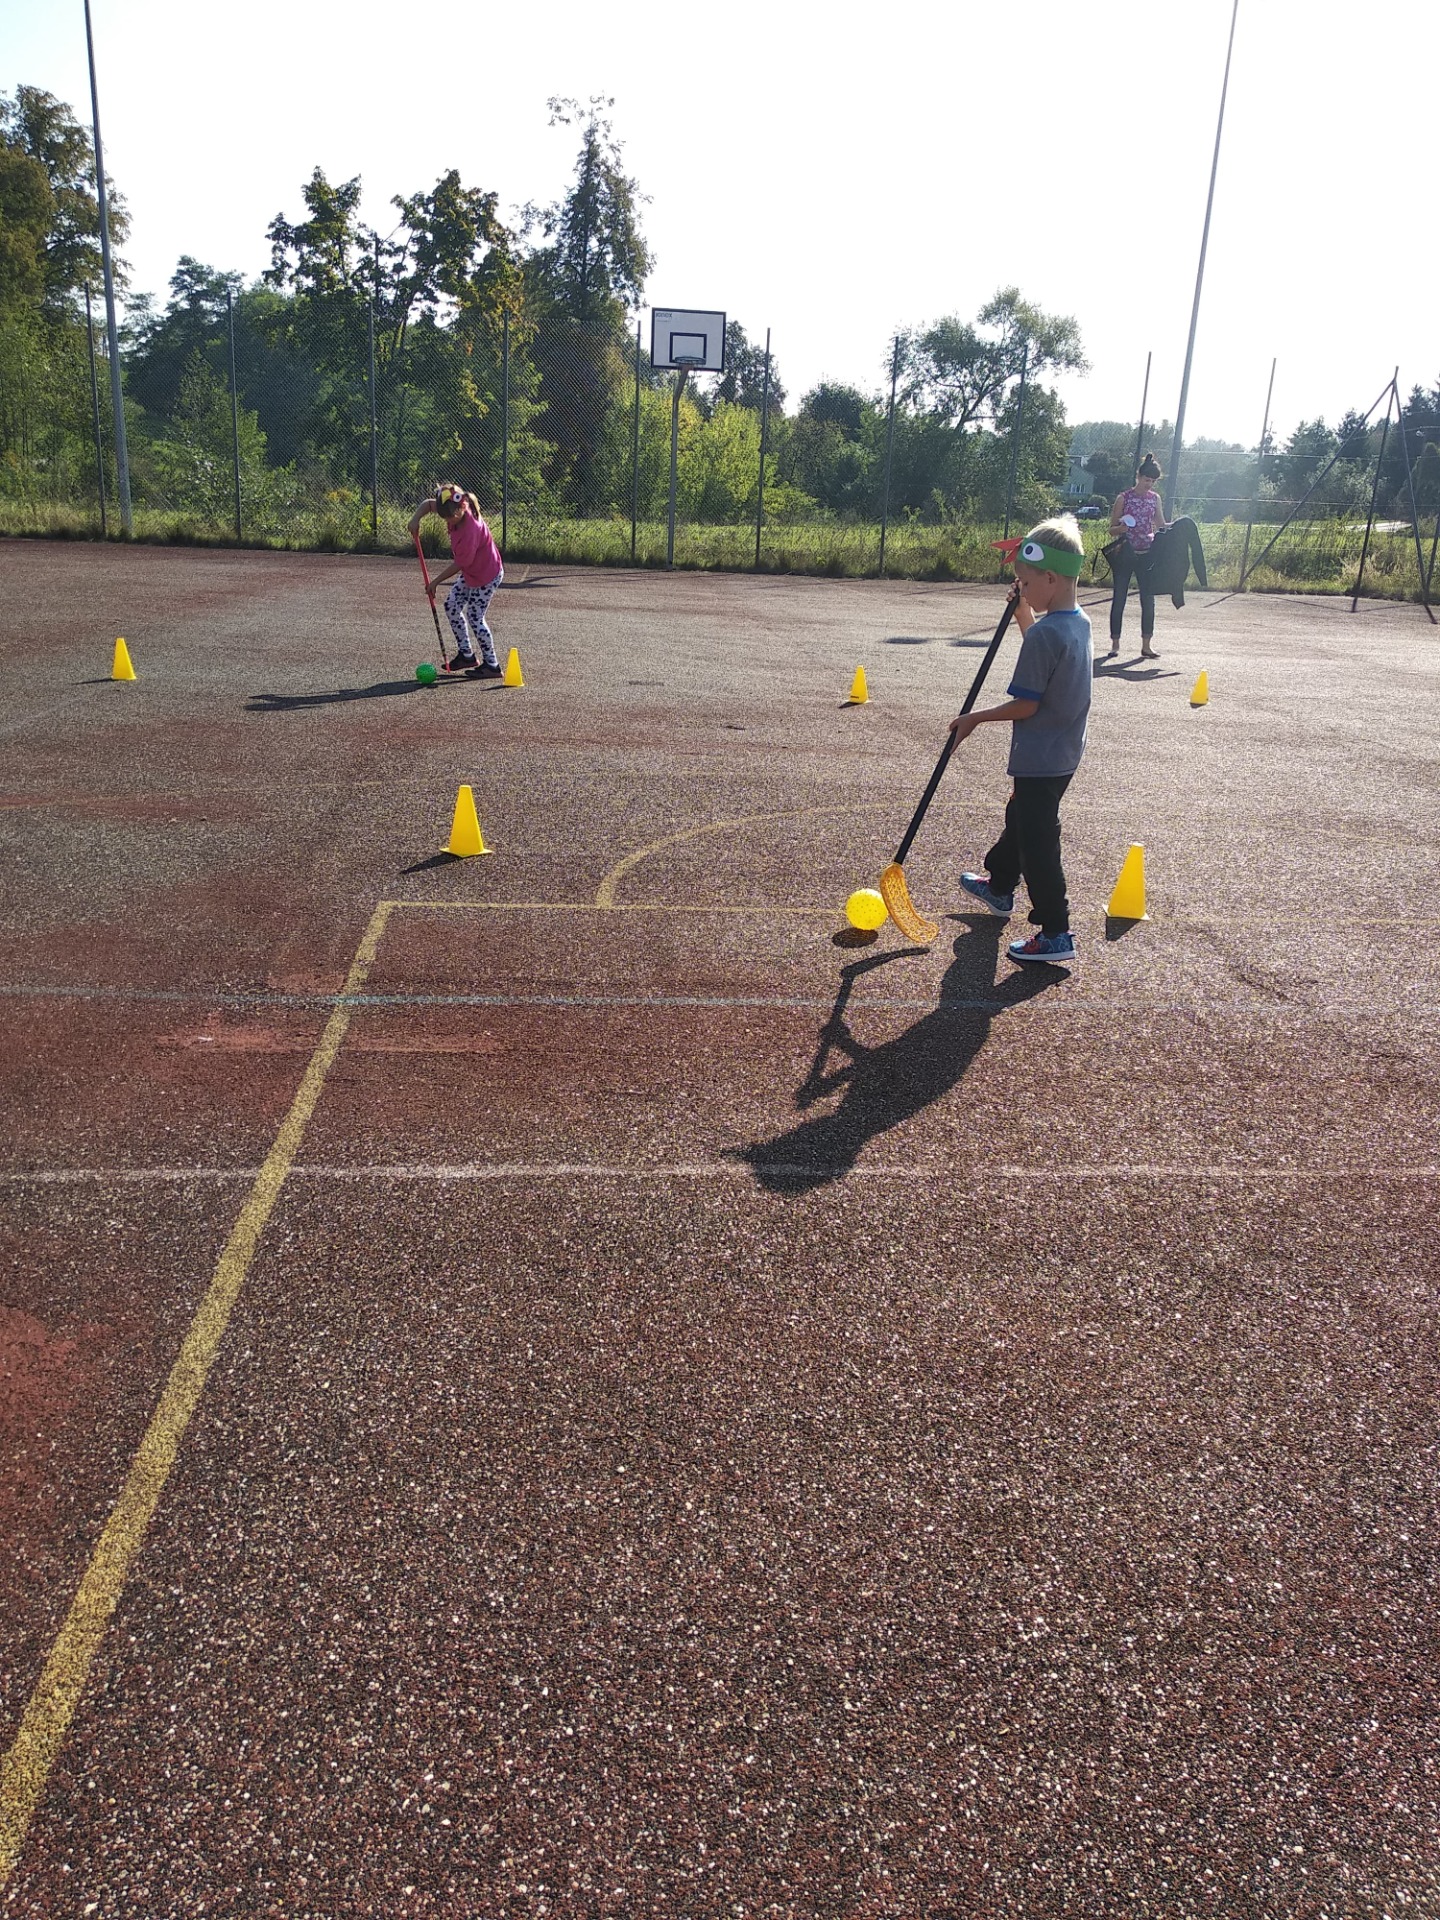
x=477 y=561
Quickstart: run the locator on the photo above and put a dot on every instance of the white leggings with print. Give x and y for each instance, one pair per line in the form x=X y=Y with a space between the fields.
x=465 y=609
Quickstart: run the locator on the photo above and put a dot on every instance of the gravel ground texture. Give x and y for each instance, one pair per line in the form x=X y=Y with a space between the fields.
x=721 y=1417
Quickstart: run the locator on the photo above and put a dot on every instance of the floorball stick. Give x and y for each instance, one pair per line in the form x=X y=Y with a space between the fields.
x=430 y=595
x=893 y=889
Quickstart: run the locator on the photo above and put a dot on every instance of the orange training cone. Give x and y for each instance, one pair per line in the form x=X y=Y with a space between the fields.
x=120 y=667
x=859 y=691
x=1127 y=902
x=466 y=838
x=513 y=676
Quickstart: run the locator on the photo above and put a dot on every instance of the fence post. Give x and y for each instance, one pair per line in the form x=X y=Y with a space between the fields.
x=1391 y=399
x=505 y=435
x=95 y=408
x=1259 y=470
x=1015 y=441
x=374 y=438
x=889 y=450
x=764 y=439
x=234 y=407
x=635 y=454
x=1404 y=432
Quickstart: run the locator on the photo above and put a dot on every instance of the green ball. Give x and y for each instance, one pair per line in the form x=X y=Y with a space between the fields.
x=426 y=674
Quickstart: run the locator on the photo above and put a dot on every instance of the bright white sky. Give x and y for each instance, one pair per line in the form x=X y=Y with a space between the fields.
x=832 y=174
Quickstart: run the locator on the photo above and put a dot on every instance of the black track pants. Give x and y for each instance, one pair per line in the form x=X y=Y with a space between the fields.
x=1029 y=850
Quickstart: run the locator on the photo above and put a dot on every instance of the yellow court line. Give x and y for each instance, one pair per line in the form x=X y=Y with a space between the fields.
x=768 y=909
x=25 y=1769
x=605 y=897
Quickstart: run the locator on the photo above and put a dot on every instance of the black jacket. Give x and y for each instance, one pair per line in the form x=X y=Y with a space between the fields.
x=1176 y=550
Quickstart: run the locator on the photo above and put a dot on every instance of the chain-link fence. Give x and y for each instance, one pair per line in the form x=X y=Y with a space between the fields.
x=271 y=421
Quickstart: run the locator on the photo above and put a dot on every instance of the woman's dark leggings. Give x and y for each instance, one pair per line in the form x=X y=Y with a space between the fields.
x=1029 y=850
x=1125 y=564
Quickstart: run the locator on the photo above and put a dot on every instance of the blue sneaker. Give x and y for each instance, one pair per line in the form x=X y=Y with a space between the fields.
x=1057 y=949
x=978 y=884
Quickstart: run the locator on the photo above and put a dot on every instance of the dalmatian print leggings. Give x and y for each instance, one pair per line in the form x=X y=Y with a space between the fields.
x=465 y=609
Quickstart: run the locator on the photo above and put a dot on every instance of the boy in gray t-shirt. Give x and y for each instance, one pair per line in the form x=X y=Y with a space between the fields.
x=1049 y=704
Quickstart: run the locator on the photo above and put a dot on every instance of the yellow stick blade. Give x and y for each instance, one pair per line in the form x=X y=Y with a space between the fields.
x=896 y=895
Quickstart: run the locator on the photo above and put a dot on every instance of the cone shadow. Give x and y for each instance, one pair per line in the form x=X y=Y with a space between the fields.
x=1117 y=926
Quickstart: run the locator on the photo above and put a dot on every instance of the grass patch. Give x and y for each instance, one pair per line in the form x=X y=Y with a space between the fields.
x=1319 y=557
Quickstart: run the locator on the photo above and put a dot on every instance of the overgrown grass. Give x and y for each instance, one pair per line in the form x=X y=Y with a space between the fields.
x=1320 y=557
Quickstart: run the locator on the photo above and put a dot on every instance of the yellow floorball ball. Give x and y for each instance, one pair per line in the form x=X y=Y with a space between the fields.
x=866 y=910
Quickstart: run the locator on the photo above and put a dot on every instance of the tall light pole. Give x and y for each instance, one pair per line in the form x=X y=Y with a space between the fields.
x=122 y=457
x=1176 y=444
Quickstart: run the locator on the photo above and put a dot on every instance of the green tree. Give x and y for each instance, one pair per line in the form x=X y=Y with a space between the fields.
x=582 y=283
x=41 y=128
x=595 y=263
x=193 y=465
x=961 y=371
x=743 y=381
x=439 y=292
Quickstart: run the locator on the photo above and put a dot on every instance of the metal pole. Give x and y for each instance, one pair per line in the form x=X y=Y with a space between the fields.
x=1391 y=400
x=374 y=437
x=674 y=464
x=764 y=439
x=234 y=408
x=95 y=407
x=1434 y=542
x=635 y=454
x=1015 y=439
x=505 y=439
x=889 y=450
x=1259 y=470
x=1317 y=482
x=1140 y=430
x=1177 y=442
x=1414 y=509
x=122 y=455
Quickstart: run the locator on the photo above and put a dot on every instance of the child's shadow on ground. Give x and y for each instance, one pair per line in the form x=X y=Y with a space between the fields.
x=885 y=1084
x=381 y=690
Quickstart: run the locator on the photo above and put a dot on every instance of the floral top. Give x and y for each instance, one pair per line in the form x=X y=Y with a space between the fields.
x=1144 y=508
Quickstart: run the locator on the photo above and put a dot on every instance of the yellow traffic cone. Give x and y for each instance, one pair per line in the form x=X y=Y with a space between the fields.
x=859 y=692
x=1127 y=902
x=513 y=676
x=120 y=667
x=465 y=835
x=1200 y=692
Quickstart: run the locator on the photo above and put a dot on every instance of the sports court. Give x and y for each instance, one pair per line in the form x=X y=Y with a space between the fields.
x=567 y=1384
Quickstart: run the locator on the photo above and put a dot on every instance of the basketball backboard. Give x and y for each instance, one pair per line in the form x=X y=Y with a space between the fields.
x=683 y=337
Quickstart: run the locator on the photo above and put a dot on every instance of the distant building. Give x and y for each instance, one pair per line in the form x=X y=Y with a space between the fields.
x=1077 y=480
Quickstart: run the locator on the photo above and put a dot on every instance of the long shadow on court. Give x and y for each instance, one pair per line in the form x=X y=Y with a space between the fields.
x=885 y=1084
x=380 y=690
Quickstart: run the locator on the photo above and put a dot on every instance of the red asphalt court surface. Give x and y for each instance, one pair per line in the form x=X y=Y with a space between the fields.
x=552 y=1384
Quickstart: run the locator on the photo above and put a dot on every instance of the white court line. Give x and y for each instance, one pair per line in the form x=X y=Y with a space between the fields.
x=737 y=1169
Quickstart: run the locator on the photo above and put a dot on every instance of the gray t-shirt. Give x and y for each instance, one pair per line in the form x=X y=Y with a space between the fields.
x=1055 y=668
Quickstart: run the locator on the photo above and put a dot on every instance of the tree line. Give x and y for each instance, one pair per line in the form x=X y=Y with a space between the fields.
x=493 y=346
x=510 y=351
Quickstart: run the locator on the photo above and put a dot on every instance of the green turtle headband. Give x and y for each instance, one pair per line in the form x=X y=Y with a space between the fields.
x=1052 y=559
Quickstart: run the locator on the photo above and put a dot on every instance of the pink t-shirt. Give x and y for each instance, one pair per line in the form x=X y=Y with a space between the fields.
x=473 y=545
x=1145 y=509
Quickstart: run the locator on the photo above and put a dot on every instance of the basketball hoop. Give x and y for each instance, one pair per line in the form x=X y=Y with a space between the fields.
x=683 y=340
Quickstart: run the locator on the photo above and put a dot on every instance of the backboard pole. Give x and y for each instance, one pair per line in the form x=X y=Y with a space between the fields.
x=674 y=464
x=635 y=454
